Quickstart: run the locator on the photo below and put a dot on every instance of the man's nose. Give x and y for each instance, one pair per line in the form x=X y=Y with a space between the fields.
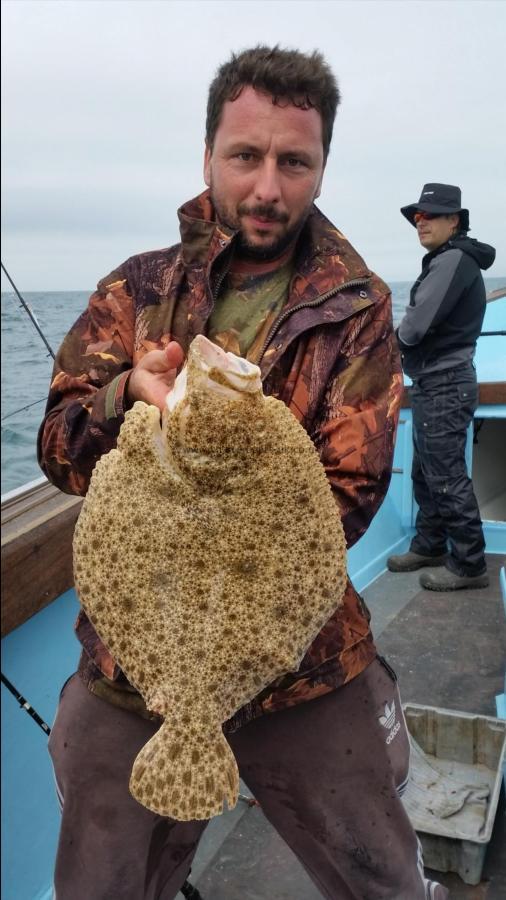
x=267 y=186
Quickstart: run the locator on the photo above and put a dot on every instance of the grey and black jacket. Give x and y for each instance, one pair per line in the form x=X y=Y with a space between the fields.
x=446 y=307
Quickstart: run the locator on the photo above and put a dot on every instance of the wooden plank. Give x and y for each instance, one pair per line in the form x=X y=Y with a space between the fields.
x=491 y=393
x=496 y=295
x=26 y=501
x=36 y=560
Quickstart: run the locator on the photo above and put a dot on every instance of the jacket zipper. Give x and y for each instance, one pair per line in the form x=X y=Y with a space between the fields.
x=219 y=282
x=356 y=282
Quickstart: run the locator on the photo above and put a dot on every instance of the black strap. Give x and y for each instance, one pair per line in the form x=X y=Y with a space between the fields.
x=190 y=892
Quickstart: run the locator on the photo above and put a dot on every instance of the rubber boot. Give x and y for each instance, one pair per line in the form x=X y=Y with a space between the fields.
x=445 y=580
x=410 y=561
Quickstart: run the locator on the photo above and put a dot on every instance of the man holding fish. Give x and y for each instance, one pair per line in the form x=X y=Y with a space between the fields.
x=265 y=276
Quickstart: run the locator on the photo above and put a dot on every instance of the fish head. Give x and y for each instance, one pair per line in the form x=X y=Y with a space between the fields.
x=214 y=371
x=214 y=410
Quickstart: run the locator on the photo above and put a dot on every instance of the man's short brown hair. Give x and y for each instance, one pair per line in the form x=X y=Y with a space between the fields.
x=305 y=80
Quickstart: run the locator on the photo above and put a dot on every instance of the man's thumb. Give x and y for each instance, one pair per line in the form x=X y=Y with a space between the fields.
x=174 y=355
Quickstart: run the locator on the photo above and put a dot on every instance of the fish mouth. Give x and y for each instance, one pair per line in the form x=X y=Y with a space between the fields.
x=208 y=354
x=211 y=356
x=221 y=371
x=224 y=368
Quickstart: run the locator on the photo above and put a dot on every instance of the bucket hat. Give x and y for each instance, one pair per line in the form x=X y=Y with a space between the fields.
x=441 y=199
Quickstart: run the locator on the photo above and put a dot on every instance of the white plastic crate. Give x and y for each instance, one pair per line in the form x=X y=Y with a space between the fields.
x=456 y=773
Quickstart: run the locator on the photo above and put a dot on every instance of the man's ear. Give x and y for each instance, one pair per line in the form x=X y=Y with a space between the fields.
x=319 y=186
x=207 y=165
x=455 y=222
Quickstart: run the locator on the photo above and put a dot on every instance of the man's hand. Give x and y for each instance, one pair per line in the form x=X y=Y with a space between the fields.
x=153 y=377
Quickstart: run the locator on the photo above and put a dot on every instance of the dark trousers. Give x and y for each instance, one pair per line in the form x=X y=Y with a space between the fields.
x=443 y=405
x=327 y=773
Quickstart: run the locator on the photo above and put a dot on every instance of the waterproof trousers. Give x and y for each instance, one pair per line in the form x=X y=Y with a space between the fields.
x=443 y=405
x=327 y=774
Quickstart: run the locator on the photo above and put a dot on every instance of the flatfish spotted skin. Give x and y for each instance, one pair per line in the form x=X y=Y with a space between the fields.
x=208 y=554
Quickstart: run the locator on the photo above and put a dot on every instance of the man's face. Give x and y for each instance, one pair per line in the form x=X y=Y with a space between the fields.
x=433 y=233
x=265 y=170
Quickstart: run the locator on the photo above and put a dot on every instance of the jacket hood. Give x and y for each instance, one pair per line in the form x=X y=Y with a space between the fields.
x=483 y=254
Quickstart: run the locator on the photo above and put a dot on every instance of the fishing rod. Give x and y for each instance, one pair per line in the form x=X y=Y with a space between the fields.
x=28 y=311
x=23 y=702
x=22 y=408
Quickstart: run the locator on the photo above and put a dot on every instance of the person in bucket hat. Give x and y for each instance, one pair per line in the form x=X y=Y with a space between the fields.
x=437 y=338
x=438 y=200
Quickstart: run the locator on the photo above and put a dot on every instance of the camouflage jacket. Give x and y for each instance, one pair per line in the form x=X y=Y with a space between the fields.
x=331 y=356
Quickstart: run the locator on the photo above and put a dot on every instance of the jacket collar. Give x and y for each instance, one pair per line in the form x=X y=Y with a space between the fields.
x=325 y=260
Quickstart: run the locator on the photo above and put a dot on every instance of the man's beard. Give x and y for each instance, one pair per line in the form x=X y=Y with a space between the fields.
x=266 y=252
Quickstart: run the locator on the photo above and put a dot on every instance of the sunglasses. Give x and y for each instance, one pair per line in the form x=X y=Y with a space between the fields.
x=418 y=216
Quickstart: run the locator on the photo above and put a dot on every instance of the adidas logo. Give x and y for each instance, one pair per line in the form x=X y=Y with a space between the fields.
x=389 y=718
x=388 y=721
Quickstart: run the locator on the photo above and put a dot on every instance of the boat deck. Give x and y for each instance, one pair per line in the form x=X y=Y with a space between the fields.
x=448 y=650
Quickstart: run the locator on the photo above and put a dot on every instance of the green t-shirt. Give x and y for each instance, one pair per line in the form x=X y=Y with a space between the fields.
x=246 y=309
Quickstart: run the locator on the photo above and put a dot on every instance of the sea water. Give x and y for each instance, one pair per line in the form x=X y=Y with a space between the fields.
x=27 y=367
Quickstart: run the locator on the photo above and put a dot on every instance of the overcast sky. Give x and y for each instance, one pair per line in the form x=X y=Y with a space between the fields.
x=104 y=107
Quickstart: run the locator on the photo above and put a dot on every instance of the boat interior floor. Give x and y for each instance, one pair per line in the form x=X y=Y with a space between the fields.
x=448 y=650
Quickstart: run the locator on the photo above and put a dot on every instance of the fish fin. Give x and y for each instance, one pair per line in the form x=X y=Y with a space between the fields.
x=185 y=779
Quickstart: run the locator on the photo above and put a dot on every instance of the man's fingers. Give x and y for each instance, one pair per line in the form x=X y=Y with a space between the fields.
x=154 y=375
x=174 y=355
x=162 y=360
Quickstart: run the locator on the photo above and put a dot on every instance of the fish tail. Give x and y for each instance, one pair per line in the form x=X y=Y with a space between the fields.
x=185 y=778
